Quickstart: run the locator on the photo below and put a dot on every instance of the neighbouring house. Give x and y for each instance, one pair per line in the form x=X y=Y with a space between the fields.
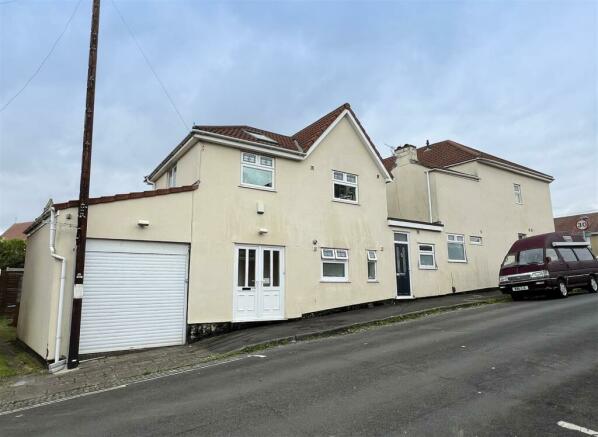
x=243 y=225
x=585 y=224
x=455 y=212
x=16 y=231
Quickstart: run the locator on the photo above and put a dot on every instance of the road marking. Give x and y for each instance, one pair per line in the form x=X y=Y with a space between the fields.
x=150 y=378
x=56 y=401
x=573 y=427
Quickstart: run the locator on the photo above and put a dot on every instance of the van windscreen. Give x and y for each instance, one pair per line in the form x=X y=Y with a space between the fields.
x=525 y=257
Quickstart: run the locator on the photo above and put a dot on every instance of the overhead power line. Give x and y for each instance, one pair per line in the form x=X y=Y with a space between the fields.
x=149 y=64
x=40 y=66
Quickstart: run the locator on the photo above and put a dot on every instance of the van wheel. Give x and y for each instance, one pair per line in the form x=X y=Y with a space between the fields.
x=562 y=291
x=593 y=285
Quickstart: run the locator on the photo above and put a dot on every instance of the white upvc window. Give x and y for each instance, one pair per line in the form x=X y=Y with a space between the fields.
x=427 y=256
x=518 y=194
x=372 y=258
x=476 y=240
x=344 y=187
x=257 y=171
x=335 y=265
x=172 y=177
x=456 y=248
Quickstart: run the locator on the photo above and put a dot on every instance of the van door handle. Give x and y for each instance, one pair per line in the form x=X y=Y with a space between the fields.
x=246 y=288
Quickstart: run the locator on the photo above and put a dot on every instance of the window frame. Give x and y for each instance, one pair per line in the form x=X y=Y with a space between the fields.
x=345 y=182
x=171 y=176
x=456 y=241
x=258 y=166
x=518 y=192
x=421 y=266
x=372 y=257
x=326 y=259
x=480 y=243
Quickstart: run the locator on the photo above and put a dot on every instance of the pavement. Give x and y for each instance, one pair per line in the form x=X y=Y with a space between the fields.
x=111 y=371
x=514 y=369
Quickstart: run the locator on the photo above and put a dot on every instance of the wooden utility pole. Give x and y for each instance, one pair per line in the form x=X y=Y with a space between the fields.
x=73 y=357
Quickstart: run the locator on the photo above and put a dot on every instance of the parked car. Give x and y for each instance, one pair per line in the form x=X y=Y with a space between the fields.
x=556 y=262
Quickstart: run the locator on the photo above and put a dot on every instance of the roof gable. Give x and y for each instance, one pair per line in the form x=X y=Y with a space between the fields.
x=301 y=144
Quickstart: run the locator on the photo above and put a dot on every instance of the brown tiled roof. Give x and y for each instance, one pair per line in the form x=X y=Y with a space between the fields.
x=448 y=153
x=16 y=231
x=569 y=223
x=299 y=142
x=127 y=196
x=389 y=163
x=307 y=136
x=241 y=133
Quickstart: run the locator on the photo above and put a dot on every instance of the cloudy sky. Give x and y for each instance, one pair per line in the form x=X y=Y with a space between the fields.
x=517 y=79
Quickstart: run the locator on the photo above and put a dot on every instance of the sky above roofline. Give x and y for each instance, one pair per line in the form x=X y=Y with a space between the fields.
x=516 y=79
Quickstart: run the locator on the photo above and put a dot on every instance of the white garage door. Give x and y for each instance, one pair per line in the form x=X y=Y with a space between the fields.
x=135 y=295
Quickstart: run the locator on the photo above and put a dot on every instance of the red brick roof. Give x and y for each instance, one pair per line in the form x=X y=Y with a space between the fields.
x=448 y=153
x=299 y=142
x=127 y=196
x=16 y=231
x=569 y=223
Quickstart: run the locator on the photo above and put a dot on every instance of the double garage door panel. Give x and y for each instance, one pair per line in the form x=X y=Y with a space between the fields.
x=134 y=296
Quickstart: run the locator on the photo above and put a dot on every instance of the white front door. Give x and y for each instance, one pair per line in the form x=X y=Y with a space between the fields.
x=259 y=283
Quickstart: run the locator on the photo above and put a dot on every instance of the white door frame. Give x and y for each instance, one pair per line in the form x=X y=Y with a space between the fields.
x=259 y=281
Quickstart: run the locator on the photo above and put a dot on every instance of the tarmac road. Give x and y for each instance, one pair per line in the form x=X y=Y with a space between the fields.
x=510 y=369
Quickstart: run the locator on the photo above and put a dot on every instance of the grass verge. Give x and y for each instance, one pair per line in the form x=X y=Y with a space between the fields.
x=14 y=360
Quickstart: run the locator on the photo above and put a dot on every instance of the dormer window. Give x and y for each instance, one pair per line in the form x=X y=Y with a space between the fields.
x=257 y=171
x=172 y=177
x=344 y=187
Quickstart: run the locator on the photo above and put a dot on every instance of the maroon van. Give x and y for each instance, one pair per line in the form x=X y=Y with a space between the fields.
x=557 y=262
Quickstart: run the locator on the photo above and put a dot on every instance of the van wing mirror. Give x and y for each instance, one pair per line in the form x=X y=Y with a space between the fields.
x=547 y=259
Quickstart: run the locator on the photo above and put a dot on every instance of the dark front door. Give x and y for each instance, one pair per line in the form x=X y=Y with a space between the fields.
x=402 y=263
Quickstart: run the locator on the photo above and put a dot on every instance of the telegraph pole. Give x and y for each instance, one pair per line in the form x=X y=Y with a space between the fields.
x=73 y=357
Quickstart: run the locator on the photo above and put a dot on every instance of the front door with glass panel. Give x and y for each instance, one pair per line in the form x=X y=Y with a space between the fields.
x=259 y=283
x=402 y=264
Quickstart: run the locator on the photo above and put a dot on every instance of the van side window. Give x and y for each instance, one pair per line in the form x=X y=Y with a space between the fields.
x=567 y=254
x=551 y=253
x=583 y=253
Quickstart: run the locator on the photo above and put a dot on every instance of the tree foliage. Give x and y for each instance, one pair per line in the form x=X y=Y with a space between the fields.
x=12 y=253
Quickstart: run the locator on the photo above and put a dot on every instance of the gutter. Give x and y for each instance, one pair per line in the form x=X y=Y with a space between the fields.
x=57 y=364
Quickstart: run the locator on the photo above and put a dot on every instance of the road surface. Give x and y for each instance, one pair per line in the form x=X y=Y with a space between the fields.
x=512 y=369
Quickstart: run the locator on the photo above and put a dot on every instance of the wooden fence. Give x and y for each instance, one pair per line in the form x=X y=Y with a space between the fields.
x=11 y=280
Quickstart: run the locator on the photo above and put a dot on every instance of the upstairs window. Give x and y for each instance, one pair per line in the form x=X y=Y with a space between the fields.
x=335 y=265
x=172 y=177
x=372 y=265
x=344 y=187
x=257 y=171
x=456 y=248
x=518 y=194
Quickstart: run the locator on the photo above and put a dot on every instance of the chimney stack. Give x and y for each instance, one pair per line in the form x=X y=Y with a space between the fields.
x=406 y=154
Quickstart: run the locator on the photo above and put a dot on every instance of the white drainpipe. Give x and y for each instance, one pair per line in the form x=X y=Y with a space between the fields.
x=429 y=196
x=57 y=365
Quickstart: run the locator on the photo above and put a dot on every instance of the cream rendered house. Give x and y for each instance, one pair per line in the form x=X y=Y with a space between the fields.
x=243 y=225
x=455 y=212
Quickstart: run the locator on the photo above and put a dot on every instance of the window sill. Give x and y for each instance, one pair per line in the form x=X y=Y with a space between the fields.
x=350 y=202
x=335 y=281
x=255 y=187
x=427 y=268
x=373 y=281
x=457 y=261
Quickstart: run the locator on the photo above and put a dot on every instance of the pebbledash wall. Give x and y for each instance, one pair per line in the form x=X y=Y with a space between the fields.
x=218 y=214
x=473 y=199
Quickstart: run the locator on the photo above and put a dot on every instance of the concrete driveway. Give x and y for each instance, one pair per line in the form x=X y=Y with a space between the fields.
x=517 y=368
